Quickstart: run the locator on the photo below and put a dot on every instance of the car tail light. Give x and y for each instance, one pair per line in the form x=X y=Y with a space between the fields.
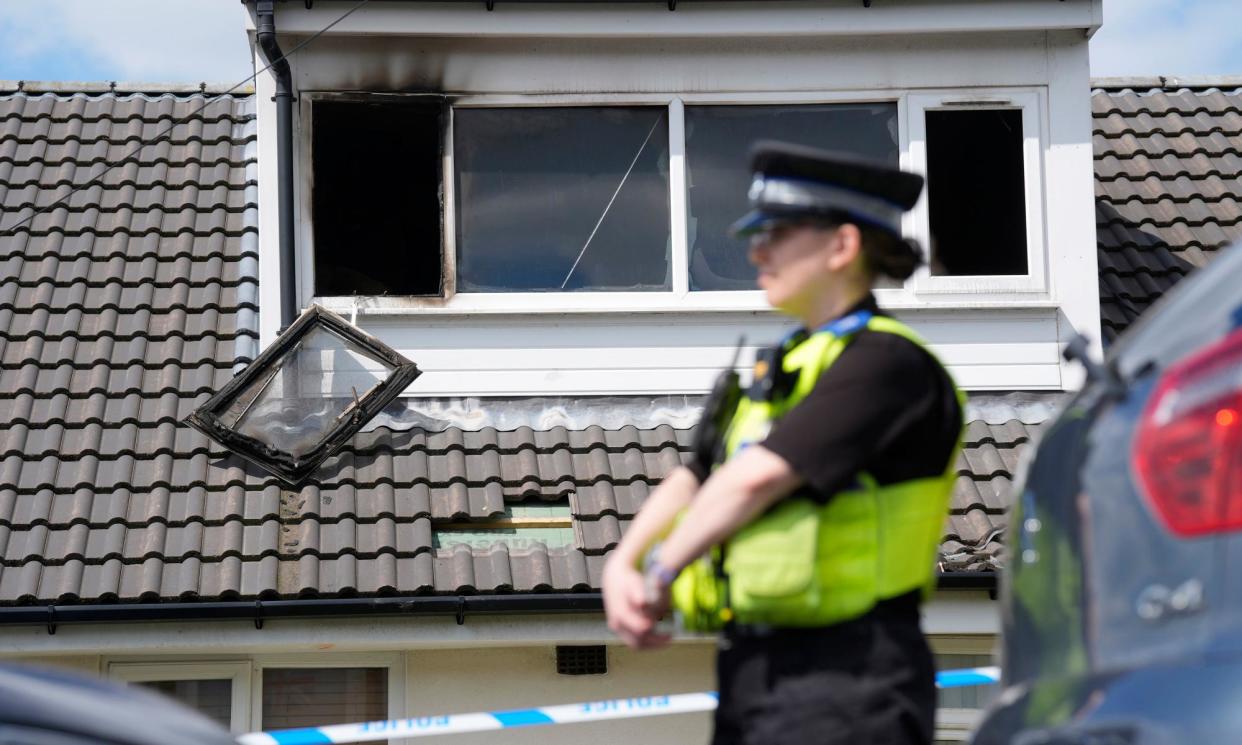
x=1188 y=452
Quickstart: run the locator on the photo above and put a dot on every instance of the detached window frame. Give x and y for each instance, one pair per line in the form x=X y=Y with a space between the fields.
x=237 y=673
x=291 y=467
x=1031 y=102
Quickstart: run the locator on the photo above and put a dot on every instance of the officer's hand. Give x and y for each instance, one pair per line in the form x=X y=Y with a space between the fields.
x=625 y=605
x=656 y=598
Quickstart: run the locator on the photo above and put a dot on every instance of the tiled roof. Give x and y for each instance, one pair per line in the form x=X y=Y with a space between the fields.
x=1168 y=167
x=188 y=520
x=981 y=496
x=122 y=310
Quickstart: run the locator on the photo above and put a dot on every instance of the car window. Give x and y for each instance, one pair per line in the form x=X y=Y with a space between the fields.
x=1205 y=306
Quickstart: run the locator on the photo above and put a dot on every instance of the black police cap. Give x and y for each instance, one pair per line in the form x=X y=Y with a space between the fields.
x=794 y=182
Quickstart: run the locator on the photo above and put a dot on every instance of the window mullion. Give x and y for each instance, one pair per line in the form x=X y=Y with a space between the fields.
x=917 y=222
x=677 y=197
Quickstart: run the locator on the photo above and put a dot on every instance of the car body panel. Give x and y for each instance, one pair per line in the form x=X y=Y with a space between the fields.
x=1114 y=629
x=1193 y=702
x=41 y=706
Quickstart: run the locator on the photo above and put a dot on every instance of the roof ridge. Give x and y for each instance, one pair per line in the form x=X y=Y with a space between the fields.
x=97 y=87
x=1168 y=82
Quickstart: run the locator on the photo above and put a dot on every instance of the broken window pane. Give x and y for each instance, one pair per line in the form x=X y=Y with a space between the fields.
x=305 y=395
x=718 y=142
x=552 y=199
x=976 y=192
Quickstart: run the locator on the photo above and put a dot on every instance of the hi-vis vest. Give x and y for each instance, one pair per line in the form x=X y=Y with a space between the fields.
x=802 y=563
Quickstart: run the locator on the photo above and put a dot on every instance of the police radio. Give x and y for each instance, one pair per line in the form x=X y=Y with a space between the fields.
x=709 y=435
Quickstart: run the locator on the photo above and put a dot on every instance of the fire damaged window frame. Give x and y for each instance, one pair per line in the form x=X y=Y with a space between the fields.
x=1031 y=103
x=295 y=469
x=304 y=177
x=922 y=290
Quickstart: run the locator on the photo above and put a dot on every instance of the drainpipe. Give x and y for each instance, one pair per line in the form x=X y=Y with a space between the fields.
x=265 y=10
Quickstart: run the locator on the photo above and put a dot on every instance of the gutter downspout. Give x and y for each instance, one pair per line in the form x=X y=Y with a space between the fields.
x=265 y=11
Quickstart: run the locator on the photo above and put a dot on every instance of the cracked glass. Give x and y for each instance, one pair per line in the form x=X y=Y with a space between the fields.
x=562 y=199
x=305 y=395
x=293 y=405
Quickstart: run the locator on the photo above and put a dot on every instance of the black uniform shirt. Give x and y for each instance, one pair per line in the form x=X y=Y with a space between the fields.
x=885 y=407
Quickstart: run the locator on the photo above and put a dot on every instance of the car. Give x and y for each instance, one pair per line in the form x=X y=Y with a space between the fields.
x=1121 y=601
x=41 y=706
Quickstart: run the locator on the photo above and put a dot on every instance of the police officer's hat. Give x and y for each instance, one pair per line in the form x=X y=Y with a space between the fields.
x=794 y=183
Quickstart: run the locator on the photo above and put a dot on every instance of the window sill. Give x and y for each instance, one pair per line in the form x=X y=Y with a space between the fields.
x=614 y=304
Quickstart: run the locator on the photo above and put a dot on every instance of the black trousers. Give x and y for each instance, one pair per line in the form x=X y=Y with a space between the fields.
x=869 y=681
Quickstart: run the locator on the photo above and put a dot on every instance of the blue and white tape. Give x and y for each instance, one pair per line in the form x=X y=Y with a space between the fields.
x=485 y=721
x=970 y=676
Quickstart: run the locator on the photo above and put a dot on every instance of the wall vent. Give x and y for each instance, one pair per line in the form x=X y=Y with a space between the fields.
x=592 y=660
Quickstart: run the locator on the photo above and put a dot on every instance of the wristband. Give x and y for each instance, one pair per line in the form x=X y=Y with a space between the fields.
x=656 y=574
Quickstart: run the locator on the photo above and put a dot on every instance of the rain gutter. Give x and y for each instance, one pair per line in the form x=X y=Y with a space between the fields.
x=260 y=611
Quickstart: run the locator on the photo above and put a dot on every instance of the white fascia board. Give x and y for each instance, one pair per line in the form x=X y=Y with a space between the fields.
x=948 y=613
x=1073 y=247
x=775 y=18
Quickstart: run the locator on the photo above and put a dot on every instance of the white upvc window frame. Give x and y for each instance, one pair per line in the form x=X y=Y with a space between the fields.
x=394 y=662
x=246 y=710
x=952 y=723
x=237 y=672
x=1032 y=103
x=920 y=291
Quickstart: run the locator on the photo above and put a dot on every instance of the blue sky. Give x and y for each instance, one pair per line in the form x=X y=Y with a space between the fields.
x=189 y=41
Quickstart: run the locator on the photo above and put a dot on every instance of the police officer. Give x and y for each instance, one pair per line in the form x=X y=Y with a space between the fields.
x=807 y=524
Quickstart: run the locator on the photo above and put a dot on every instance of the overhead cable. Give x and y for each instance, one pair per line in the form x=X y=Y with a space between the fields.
x=11 y=230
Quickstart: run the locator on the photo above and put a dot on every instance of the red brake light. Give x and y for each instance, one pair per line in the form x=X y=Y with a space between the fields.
x=1188 y=452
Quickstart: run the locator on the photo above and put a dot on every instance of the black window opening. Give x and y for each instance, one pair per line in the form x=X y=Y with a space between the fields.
x=976 y=192
x=718 y=142
x=305 y=395
x=562 y=199
x=377 y=197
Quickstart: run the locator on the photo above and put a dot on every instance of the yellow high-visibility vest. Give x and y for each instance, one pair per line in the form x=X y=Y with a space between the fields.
x=805 y=564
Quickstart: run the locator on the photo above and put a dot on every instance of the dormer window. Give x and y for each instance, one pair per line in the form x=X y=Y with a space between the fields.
x=480 y=198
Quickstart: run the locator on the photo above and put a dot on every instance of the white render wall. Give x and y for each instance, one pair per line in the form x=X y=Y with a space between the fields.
x=437 y=667
x=438 y=682
x=622 y=344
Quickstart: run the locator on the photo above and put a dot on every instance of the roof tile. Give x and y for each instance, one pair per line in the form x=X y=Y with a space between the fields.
x=121 y=310
x=1168 y=172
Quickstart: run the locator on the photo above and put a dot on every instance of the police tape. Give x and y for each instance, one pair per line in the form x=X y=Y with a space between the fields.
x=592 y=711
